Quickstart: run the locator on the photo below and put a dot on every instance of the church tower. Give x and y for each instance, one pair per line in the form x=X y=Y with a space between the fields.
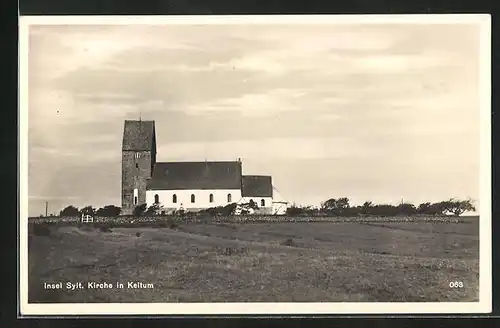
x=138 y=160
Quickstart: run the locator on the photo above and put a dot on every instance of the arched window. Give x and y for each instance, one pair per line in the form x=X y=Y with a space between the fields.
x=174 y=198
x=135 y=200
x=229 y=198
x=211 y=198
x=192 y=198
x=262 y=202
x=157 y=199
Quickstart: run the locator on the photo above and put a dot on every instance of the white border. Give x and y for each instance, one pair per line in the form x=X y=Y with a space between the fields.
x=485 y=280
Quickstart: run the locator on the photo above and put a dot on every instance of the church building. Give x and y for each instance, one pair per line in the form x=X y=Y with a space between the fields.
x=189 y=186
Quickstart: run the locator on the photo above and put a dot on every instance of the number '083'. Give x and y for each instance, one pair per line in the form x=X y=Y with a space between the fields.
x=456 y=284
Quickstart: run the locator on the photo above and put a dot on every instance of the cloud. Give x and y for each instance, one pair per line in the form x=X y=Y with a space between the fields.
x=253 y=104
x=399 y=63
x=265 y=149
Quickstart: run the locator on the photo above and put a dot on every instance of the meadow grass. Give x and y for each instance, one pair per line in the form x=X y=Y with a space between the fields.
x=259 y=262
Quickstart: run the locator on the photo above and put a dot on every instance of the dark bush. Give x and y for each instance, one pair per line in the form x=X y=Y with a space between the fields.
x=180 y=213
x=88 y=210
x=219 y=210
x=154 y=210
x=139 y=210
x=109 y=210
x=70 y=211
x=294 y=211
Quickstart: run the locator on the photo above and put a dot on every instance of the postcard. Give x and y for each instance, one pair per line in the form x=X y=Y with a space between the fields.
x=308 y=164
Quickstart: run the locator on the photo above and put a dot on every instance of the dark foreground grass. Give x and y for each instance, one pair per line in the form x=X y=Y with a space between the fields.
x=290 y=262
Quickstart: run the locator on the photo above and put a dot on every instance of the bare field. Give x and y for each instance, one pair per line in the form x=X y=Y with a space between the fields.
x=275 y=262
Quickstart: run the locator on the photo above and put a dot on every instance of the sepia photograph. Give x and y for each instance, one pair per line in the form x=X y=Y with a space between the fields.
x=255 y=164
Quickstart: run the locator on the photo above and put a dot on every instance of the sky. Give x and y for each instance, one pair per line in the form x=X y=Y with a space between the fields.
x=370 y=112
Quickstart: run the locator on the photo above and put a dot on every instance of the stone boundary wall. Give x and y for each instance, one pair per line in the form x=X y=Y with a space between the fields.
x=131 y=220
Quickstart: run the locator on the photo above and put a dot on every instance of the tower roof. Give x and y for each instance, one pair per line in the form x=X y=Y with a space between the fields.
x=138 y=135
x=256 y=186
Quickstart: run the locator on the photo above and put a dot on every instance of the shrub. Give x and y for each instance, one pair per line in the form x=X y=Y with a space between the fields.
x=70 y=211
x=139 y=210
x=88 y=210
x=180 y=213
x=293 y=210
x=109 y=210
x=220 y=210
x=155 y=209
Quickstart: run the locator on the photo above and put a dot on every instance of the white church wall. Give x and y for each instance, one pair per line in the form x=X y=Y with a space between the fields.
x=201 y=198
x=268 y=202
x=279 y=208
x=258 y=200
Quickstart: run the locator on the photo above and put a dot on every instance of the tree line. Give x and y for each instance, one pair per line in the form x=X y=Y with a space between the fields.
x=143 y=210
x=330 y=207
x=108 y=210
x=342 y=207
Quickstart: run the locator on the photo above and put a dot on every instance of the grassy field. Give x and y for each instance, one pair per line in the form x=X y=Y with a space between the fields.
x=281 y=262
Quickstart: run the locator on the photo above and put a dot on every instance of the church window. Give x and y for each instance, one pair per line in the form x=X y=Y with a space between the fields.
x=136 y=165
x=229 y=198
x=192 y=198
x=157 y=199
x=174 y=198
x=136 y=196
x=211 y=198
x=136 y=155
x=262 y=202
